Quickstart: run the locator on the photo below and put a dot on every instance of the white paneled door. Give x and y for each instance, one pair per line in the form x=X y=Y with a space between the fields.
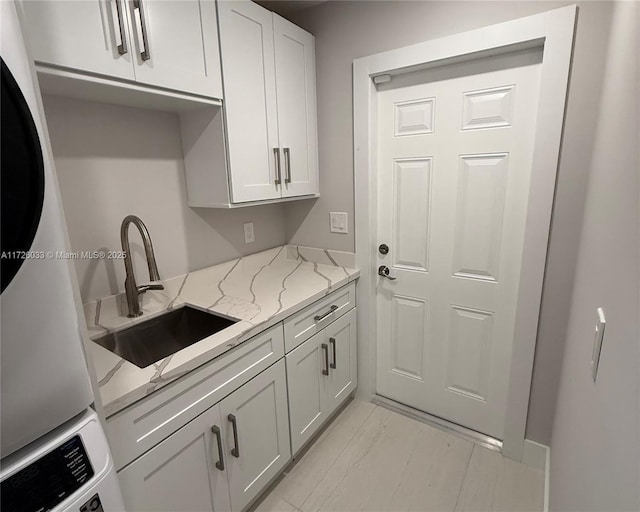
x=454 y=164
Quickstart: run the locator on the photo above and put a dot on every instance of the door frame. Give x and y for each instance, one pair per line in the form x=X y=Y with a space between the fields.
x=553 y=31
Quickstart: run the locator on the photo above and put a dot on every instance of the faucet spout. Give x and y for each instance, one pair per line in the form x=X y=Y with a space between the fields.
x=132 y=290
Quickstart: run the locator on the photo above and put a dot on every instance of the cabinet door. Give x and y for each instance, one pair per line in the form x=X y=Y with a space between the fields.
x=297 y=119
x=90 y=36
x=176 y=45
x=256 y=434
x=180 y=473
x=341 y=339
x=306 y=385
x=246 y=44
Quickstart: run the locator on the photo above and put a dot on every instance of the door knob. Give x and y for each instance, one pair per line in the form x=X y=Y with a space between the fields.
x=383 y=271
x=384 y=249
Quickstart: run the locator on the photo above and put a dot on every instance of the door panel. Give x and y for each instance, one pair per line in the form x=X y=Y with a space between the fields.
x=180 y=472
x=409 y=336
x=479 y=216
x=340 y=337
x=411 y=213
x=246 y=44
x=80 y=35
x=454 y=163
x=260 y=412
x=306 y=384
x=182 y=45
x=295 y=81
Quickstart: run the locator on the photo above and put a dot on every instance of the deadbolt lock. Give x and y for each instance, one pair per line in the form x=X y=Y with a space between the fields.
x=384 y=249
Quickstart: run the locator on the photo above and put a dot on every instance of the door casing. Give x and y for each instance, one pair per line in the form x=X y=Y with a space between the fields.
x=551 y=30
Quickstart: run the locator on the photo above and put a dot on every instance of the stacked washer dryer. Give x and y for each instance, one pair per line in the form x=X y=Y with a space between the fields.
x=54 y=454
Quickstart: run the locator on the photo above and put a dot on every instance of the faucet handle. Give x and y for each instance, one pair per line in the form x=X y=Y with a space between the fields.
x=154 y=285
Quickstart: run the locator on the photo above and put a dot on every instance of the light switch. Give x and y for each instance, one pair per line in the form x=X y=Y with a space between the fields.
x=249 y=235
x=338 y=222
x=597 y=342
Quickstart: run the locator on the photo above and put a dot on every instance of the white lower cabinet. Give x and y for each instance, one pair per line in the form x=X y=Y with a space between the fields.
x=180 y=473
x=222 y=459
x=256 y=434
x=239 y=437
x=342 y=378
x=306 y=371
x=321 y=373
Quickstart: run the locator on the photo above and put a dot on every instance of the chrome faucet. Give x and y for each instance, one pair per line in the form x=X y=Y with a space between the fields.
x=132 y=290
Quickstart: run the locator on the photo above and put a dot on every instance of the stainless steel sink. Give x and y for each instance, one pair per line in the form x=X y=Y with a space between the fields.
x=159 y=337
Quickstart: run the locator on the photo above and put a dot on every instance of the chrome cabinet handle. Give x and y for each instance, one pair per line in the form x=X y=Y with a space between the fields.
x=318 y=318
x=287 y=161
x=276 y=152
x=141 y=27
x=122 y=47
x=235 y=451
x=383 y=271
x=333 y=365
x=325 y=349
x=216 y=432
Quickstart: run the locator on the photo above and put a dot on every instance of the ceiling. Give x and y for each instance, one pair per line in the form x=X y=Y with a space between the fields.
x=286 y=7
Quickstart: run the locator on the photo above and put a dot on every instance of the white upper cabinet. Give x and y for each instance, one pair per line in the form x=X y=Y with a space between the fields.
x=92 y=36
x=270 y=107
x=169 y=44
x=176 y=45
x=246 y=36
x=296 y=97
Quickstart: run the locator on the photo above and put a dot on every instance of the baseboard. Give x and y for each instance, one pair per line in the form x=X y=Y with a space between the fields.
x=538 y=456
x=534 y=454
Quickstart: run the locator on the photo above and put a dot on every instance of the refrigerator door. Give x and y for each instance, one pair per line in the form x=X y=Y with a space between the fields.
x=43 y=374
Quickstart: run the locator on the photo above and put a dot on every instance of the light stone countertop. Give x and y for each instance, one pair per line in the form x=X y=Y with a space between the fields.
x=259 y=290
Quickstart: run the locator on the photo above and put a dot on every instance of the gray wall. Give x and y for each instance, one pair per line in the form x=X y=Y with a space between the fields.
x=112 y=161
x=346 y=30
x=595 y=449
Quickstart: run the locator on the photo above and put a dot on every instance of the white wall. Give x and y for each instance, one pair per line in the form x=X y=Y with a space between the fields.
x=346 y=30
x=112 y=161
x=595 y=449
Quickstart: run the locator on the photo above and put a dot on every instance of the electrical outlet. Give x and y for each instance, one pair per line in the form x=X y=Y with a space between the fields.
x=338 y=222
x=249 y=235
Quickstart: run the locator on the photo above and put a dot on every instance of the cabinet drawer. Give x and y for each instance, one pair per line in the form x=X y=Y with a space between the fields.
x=314 y=318
x=147 y=422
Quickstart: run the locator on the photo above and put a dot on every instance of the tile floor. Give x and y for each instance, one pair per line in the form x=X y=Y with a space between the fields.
x=374 y=459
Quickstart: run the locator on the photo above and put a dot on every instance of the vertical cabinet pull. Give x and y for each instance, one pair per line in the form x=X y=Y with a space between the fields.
x=235 y=451
x=333 y=346
x=122 y=47
x=287 y=163
x=325 y=349
x=141 y=28
x=276 y=153
x=216 y=432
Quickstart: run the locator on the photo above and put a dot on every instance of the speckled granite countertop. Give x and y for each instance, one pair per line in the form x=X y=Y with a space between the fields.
x=260 y=290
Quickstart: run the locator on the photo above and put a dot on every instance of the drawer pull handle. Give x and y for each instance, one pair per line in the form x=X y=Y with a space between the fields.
x=216 y=432
x=333 y=346
x=122 y=47
x=325 y=349
x=318 y=318
x=235 y=451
